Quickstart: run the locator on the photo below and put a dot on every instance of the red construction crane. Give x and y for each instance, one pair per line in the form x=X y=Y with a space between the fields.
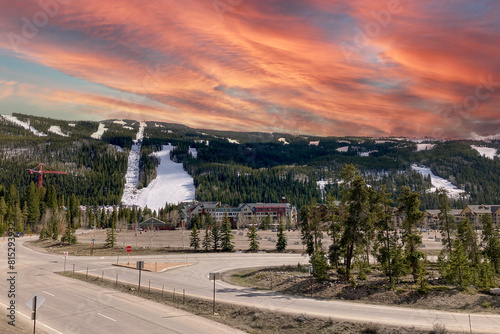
x=41 y=172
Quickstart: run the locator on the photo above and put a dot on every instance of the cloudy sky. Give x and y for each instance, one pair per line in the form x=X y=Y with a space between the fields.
x=325 y=67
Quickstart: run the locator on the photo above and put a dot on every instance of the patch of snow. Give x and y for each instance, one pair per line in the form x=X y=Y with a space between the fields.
x=203 y=141
x=232 y=141
x=314 y=143
x=170 y=131
x=116 y=147
x=487 y=152
x=438 y=182
x=344 y=141
x=425 y=147
x=100 y=131
x=72 y=124
x=382 y=141
x=171 y=185
x=128 y=127
x=193 y=152
x=25 y=125
x=321 y=185
x=366 y=154
x=283 y=140
x=158 y=125
x=57 y=130
x=120 y=122
x=343 y=149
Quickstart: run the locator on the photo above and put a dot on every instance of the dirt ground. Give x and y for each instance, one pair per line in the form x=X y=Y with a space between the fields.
x=291 y=280
x=159 y=242
x=253 y=320
x=155 y=266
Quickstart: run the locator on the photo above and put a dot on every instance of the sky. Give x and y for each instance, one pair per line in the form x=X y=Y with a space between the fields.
x=322 y=67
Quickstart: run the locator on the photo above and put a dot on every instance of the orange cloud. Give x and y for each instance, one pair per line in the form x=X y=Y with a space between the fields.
x=322 y=67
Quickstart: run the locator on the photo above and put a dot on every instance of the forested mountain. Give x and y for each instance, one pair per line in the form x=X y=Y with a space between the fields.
x=235 y=167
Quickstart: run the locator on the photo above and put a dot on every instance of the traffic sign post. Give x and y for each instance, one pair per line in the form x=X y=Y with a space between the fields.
x=214 y=276
x=92 y=246
x=65 y=256
x=140 y=266
x=129 y=249
x=34 y=303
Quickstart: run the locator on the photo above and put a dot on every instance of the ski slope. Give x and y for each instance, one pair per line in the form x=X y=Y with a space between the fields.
x=130 y=191
x=425 y=147
x=438 y=182
x=487 y=152
x=100 y=131
x=172 y=184
x=57 y=130
x=16 y=121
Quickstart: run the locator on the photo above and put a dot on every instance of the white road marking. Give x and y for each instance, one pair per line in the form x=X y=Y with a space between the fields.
x=102 y=315
x=24 y=315
x=48 y=293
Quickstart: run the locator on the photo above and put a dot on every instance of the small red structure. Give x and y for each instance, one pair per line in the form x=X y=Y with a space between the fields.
x=41 y=172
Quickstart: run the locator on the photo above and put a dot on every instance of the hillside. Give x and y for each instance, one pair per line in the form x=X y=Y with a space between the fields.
x=234 y=167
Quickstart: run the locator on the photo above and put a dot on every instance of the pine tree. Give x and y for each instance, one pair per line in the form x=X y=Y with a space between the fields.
x=409 y=203
x=458 y=270
x=226 y=235
x=319 y=264
x=69 y=236
x=111 y=235
x=215 y=237
x=422 y=277
x=468 y=237
x=492 y=251
x=195 y=238
x=252 y=237
x=207 y=240
x=386 y=234
x=54 y=227
x=281 y=244
x=73 y=210
x=356 y=204
x=447 y=224
x=33 y=203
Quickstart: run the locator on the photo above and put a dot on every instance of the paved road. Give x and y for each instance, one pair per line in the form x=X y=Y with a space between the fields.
x=73 y=306
x=194 y=279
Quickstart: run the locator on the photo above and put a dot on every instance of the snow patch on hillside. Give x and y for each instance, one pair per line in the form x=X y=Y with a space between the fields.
x=72 y=124
x=283 y=140
x=366 y=154
x=16 y=121
x=116 y=147
x=425 y=147
x=57 y=130
x=487 y=152
x=343 y=149
x=314 y=143
x=438 y=182
x=120 y=122
x=232 y=141
x=100 y=131
x=193 y=152
x=171 y=185
x=128 y=127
